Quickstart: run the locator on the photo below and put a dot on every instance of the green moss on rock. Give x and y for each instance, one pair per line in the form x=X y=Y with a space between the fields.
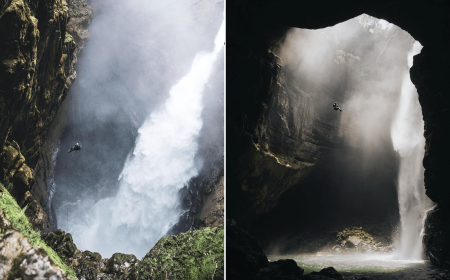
x=19 y=221
x=197 y=254
x=62 y=243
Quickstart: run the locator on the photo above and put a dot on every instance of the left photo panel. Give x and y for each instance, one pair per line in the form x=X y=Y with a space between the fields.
x=112 y=139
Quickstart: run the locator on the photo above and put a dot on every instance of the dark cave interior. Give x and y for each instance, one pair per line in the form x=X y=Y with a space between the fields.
x=255 y=31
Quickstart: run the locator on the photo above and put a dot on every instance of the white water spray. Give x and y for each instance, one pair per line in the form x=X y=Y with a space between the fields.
x=407 y=136
x=146 y=205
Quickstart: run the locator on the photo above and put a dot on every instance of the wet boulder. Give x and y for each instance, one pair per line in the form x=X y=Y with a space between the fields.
x=324 y=274
x=119 y=264
x=281 y=269
x=246 y=260
x=435 y=239
x=244 y=255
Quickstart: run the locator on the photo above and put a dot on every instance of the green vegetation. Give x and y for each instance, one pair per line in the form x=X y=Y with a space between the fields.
x=197 y=254
x=17 y=217
x=68 y=38
x=121 y=258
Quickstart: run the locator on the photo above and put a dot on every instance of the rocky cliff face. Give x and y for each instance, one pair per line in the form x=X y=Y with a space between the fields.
x=38 y=53
x=255 y=30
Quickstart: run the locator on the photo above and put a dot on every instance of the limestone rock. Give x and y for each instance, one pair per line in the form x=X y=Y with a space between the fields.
x=20 y=260
x=357 y=239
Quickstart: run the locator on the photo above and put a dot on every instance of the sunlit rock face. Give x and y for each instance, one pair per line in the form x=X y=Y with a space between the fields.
x=253 y=34
x=38 y=51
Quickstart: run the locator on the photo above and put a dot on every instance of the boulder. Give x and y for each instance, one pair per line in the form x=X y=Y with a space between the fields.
x=246 y=260
x=324 y=274
x=119 y=264
x=19 y=260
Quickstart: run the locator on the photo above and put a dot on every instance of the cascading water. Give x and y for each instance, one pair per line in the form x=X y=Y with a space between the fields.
x=146 y=205
x=407 y=135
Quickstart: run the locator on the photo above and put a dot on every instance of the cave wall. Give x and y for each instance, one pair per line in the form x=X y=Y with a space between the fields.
x=38 y=51
x=254 y=30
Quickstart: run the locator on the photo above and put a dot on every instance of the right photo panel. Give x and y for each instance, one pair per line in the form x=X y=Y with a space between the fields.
x=337 y=117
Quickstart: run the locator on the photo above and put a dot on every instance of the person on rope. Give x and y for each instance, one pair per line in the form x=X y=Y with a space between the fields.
x=77 y=147
x=336 y=106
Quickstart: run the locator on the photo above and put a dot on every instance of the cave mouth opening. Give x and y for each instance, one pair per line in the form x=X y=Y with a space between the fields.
x=363 y=192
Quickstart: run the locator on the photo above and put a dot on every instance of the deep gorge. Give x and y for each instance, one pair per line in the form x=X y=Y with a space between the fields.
x=54 y=94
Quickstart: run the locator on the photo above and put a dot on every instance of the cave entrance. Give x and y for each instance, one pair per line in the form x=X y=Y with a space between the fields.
x=359 y=186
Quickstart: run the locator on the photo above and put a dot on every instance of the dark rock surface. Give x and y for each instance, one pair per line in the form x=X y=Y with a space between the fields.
x=38 y=56
x=246 y=260
x=256 y=27
x=436 y=237
x=324 y=274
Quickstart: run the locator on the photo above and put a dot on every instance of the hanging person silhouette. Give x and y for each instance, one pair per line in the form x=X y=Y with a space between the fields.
x=77 y=147
x=336 y=106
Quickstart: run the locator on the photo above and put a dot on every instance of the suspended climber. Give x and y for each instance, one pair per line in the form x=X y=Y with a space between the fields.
x=336 y=106
x=77 y=147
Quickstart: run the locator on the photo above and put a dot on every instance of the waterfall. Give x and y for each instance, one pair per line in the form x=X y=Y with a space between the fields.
x=146 y=205
x=407 y=136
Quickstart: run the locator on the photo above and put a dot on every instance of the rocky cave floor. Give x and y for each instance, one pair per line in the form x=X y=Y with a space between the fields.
x=346 y=259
